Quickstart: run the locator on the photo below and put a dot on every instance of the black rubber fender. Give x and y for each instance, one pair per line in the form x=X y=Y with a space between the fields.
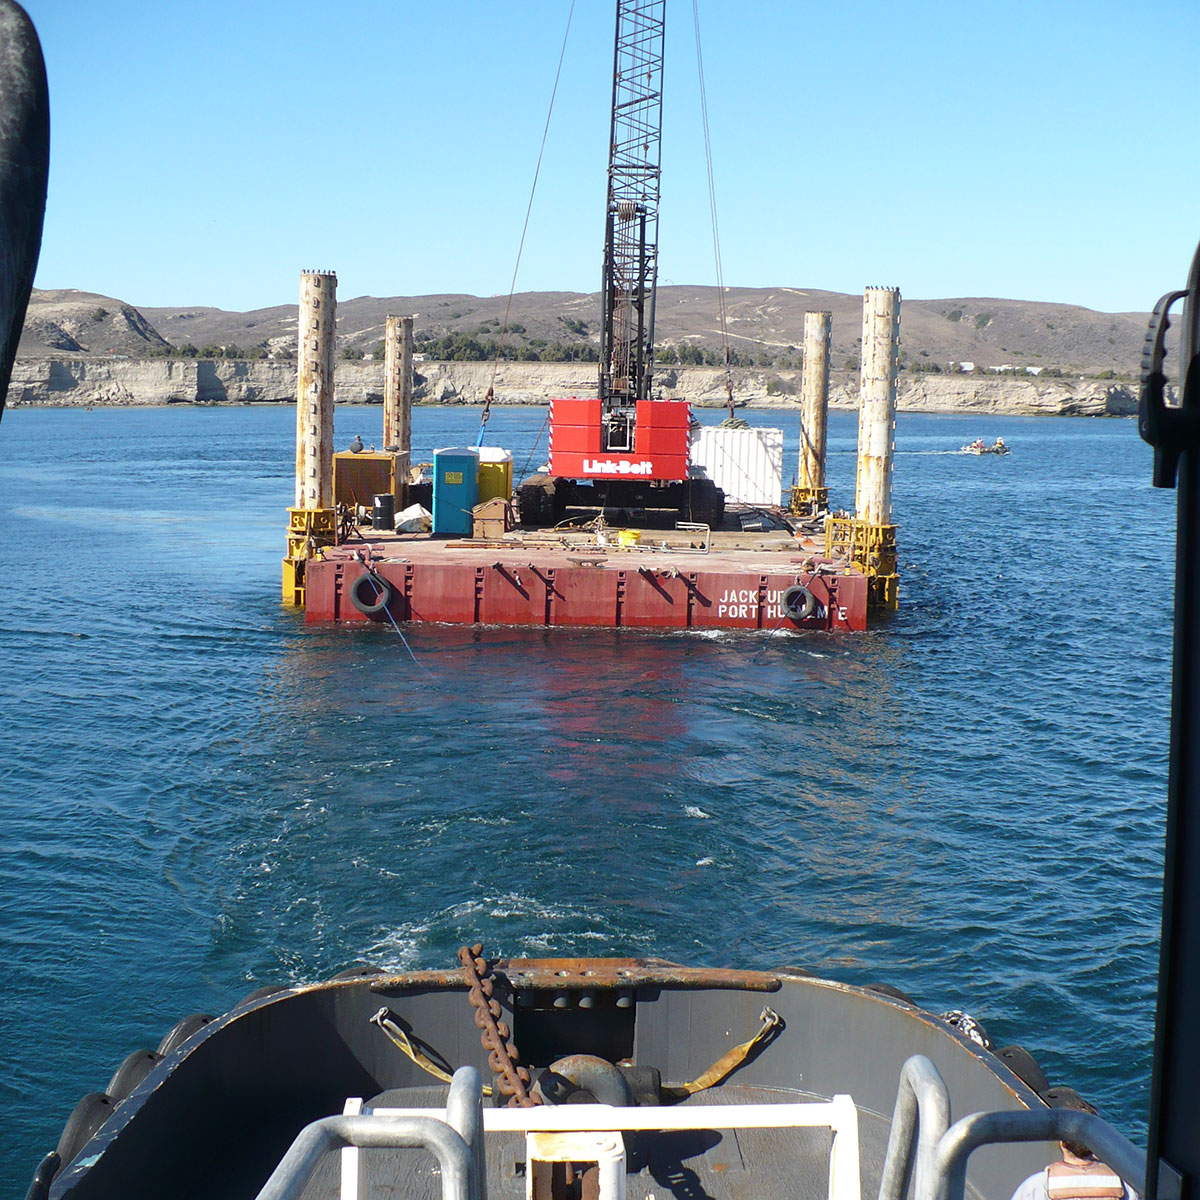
x=370 y=593
x=1024 y=1066
x=894 y=993
x=799 y=603
x=87 y=1116
x=359 y=971
x=131 y=1072
x=261 y=993
x=181 y=1031
x=39 y=1185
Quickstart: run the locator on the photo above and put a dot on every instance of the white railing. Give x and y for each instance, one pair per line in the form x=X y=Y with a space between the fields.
x=585 y=1133
x=588 y=1133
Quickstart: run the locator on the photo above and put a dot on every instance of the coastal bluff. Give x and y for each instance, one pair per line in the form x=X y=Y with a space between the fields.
x=80 y=381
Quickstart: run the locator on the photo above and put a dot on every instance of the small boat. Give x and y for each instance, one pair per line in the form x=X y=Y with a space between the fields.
x=978 y=446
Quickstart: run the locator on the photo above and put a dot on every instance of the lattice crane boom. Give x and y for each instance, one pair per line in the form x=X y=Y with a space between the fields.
x=627 y=452
x=631 y=230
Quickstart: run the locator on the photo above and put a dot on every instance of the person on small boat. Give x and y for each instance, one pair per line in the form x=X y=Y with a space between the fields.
x=1080 y=1175
x=1000 y=447
x=977 y=444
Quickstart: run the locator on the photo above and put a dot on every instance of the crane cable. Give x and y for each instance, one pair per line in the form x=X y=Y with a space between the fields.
x=491 y=392
x=712 y=208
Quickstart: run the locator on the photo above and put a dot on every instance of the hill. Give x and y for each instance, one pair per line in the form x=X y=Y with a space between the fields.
x=765 y=325
x=71 y=322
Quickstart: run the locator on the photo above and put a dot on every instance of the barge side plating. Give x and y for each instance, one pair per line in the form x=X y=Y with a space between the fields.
x=423 y=579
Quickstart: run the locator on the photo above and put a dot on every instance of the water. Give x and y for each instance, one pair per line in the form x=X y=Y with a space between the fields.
x=199 y=795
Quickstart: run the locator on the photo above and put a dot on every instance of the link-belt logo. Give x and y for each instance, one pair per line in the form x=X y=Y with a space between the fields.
x=621 y=466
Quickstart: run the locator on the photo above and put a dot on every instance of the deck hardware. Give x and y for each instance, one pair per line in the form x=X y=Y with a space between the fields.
x=495 y=1036
x=772 y=1026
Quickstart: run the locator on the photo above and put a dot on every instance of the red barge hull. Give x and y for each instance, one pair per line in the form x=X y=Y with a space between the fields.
x=457 y=583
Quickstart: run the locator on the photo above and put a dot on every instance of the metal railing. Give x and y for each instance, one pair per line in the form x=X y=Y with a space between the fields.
x=456 y=1136
x=921 y=1116
x=921 y=1136
x=921 y=1123
x=456 y=1141
x=839 y=1115
x=948 y=1179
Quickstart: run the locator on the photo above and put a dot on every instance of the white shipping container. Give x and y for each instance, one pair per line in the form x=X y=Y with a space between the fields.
x=746 y=463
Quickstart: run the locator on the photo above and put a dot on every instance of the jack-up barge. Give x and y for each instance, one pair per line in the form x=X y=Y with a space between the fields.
x=628 y=458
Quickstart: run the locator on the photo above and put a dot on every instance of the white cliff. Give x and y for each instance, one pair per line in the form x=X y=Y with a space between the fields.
x=80 y=381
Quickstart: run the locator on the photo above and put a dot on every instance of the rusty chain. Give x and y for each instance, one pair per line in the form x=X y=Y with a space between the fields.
x=495 y=1036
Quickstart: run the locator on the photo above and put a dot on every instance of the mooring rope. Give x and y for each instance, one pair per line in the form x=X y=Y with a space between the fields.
x=374 y=581
x=769 y=637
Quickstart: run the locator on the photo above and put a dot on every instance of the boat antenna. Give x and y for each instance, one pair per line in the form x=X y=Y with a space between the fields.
x=712 y=208
x=512 y=287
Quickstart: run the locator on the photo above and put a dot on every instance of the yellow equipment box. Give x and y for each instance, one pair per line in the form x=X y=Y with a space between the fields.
x=359 y=478
x=495 y=473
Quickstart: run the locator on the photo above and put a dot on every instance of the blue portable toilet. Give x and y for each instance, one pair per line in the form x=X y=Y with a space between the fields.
x=455 y=489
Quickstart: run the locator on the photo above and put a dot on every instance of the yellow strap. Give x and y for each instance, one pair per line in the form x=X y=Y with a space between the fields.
x=730 y=1060
x=401 y=1040
x=724 y=1066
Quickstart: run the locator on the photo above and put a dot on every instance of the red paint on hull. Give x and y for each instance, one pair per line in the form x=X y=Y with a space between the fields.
x=529 y=585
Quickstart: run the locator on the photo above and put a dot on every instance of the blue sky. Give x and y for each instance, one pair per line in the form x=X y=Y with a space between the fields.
x=206 y=154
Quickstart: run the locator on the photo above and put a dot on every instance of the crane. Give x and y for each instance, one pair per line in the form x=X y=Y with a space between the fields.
x=626 y=450
x=631 y=225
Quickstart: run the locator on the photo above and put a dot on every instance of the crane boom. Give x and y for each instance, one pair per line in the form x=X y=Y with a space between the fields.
x=626 y=451
x=631 y=229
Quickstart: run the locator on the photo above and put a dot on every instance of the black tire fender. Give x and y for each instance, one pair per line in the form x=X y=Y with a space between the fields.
x=370 y=593
x=799 y=603
x=39 y=1185
x=1024 y=1066
x=131 y=1072
x=86 y=1117
x=270 y=989
x=360 y=971
x=181 y=1031
x=893 y=993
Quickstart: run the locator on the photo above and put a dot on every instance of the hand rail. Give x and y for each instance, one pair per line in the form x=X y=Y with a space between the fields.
x=464 y=1114
x=314 y=1141
x=838 y=1114
x=456 y=1134
x=947 y=1180
x=921 y=1117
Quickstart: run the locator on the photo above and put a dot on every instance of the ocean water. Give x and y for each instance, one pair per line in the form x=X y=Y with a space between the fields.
x=199 y=795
